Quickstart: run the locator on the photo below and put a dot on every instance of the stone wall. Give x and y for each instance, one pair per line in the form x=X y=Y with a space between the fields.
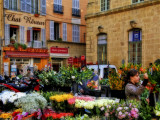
x=116 y=23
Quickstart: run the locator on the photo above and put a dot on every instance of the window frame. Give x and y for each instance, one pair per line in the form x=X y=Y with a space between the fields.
x=76 y=33
x=139 y=1
x=106 y=6
x=136 y=49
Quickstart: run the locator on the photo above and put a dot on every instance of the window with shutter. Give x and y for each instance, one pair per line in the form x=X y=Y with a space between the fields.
x=43 y=7
x=51 y=30
x=23 y=5
x=105 y=5
x=30 y=43
x=28 y=6
x=6 y=4
x=7 y=34
x=58 y=8
x=43 y=36
x=75 y=33
x=75 y=8
x=64 y=31
x=22 y=35
x=14 y=4
x=135 y=46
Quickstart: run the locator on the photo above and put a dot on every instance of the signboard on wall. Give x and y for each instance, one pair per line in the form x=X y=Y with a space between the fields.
x=59 y=50
x=70 y=60
x=13 y=70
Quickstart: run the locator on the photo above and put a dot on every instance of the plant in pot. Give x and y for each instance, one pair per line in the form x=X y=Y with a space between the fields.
x=16 y=46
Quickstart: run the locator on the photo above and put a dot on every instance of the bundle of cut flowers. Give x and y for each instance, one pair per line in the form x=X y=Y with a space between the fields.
x=31 y=102
x=49 y=113
x=125 y=110
x=157 y=109
x=9 y=96
x=92 y=85
x=59 y=102
x=95 y=107
x=71 y=101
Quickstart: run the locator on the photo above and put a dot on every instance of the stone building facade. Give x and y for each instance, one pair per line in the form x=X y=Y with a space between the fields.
x=1 y=29
x=66 y=31
x=128 y=28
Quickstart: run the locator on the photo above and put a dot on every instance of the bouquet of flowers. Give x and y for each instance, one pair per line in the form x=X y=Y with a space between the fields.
x=31 y=102
x=124 y=110
x=59 y=102
x=92 y=85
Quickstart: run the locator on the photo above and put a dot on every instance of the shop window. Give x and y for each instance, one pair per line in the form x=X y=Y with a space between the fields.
x=135 y=46
x=102 y=49
x=137 y=1
x=105 y=5
x=14 y=33
x=37 y=60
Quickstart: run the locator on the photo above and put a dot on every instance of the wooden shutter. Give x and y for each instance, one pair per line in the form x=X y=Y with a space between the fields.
x=7 y=34
x=28 y=36
x=22 y=35
x=43 y=7
x=6 y=4
x=28 y=6
x=23 y=5
x=43 y=37
x=51 y=30
x=64 y=31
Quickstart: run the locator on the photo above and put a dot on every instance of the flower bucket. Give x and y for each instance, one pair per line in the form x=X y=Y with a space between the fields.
x=74 y=88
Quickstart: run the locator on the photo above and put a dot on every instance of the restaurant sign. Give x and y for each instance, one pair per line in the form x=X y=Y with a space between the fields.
x=27 y=19
x=59 y=50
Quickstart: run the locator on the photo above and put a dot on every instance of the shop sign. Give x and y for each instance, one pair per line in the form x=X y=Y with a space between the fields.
x=82 y=57
x=70 y=60
x=16 y=18
x=59 y=50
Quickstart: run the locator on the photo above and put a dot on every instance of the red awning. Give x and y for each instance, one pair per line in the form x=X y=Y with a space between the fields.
x=26 y=54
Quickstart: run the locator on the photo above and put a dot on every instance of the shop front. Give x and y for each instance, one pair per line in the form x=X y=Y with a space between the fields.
x=33 y=58
x=59 y=57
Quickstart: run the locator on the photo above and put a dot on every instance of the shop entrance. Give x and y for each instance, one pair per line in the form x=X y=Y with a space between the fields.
x=21 y=63
x=56 y=64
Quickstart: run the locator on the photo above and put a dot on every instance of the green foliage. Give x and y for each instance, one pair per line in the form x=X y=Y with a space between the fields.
x=145 y=109
x=103 y=82
x=16 y=46
x=24 y=46
x=157 y=62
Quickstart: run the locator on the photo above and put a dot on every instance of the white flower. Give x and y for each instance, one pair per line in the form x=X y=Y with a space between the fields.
x=126 y=108
x=73 y=77
x=119 y=108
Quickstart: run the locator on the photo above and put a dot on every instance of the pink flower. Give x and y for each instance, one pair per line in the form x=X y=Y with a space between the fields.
x=106 y=114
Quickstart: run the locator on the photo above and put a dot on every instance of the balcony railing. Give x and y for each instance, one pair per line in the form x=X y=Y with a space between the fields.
x=76 y=12
x=58 y=8
x=36 y=44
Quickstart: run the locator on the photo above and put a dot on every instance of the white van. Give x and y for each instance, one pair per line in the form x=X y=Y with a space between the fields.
x=103 y=69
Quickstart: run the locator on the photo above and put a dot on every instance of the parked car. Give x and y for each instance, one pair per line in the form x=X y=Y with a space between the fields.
x=103 y=69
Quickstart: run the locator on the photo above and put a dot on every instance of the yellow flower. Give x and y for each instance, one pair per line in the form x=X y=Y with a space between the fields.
x=6 y=115
x=18 y=110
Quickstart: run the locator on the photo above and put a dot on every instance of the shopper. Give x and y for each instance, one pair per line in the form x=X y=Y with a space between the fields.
x=133 y=89
x=29 y=73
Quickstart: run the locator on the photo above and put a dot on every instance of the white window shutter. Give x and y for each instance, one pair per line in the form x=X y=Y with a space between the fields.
x=55 y=2
x=64 y=31
x=78 y=33
x=6 y=4
x=23 y=5
x=73 y=33
x=51 y=30
x=73 y=3
x=28 y=6
x=22 y=35
x=7 y=34
x=130 y=36
x=78 y=4
x=43 y=37
x=31 y=38
x=60 y=2
x=43 y=7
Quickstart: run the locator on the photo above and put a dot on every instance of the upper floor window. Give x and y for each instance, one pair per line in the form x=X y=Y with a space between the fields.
x=30 y=6
x=75 y=33
x=135 y=46
x=58 y=8
x=75 y=8
x=137 y=1
x=105 y=5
